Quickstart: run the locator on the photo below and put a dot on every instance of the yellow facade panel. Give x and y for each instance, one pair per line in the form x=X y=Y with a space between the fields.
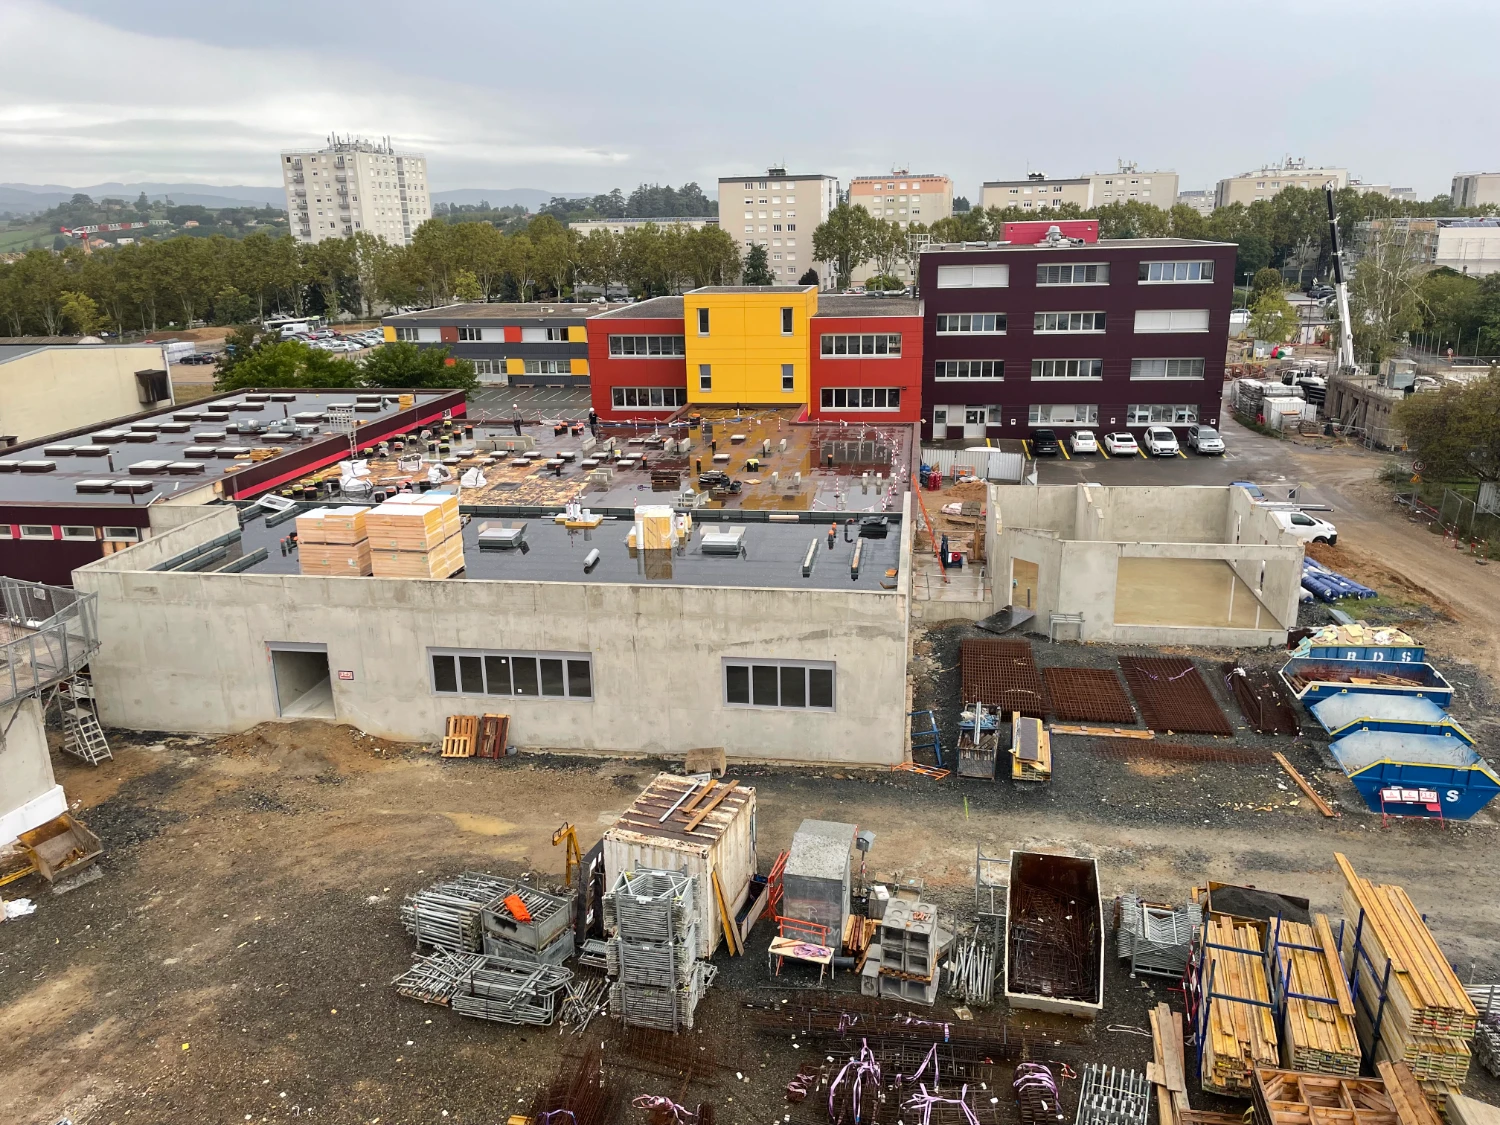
x=578 y=366
x=515 y=367
x=578 y=334
x=390 y=333
x=746 y=352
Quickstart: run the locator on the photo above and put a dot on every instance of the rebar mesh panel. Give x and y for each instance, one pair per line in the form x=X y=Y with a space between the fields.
x=1261 y=699
x=1089 y=695
x=1126 y=749
x=1173 y=696
x=1002 y=674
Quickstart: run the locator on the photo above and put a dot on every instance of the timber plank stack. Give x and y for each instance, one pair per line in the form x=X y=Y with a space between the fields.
x=1240 y=1036
x=416 y=535
x=1284 y=1097
x=1428 y=1020
x=334 y=541
x=1318 y=1038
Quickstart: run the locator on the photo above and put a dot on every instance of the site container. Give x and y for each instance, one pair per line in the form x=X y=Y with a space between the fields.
x=1321 y=678
x=1054 y=935
x=1426 y=775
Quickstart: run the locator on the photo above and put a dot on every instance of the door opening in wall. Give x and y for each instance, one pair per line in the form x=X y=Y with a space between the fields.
x=299 y=673
x=1023 y=579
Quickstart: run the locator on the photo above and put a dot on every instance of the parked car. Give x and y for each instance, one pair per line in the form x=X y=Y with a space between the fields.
x=1206 y=440
x=1161 y=442
x=1256 y=495
x=1044 y=443
x=197 y=359
x=1083 y=441
x=1320 y=292
x=1308 y=529
x=1121 y=444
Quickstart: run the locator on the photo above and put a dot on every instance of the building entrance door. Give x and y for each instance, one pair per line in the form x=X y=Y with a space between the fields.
x=974 y=421
x=299 y=673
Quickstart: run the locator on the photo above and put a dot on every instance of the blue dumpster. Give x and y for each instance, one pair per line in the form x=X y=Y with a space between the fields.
x=1425 y=775
x=1310 y=679
x=1349 y=711
x=1362 y=642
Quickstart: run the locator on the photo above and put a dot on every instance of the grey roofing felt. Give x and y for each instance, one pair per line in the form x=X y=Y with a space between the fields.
x=1102 y=244
x=753 y=289
x=1363 y=749
x=666 y=308
x=484 y=310
x=840 y=304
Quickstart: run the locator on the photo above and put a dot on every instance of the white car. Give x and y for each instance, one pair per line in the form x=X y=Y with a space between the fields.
x=1306 y=528
x=1083 y=441
x=1121 y=444
x=1161 y=442
x=1205 y=439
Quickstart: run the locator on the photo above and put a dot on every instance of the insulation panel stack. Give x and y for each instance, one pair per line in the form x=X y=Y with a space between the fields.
x=416 y=535
x=1241 y=1037
x=334 y=541
x=1428 y=1021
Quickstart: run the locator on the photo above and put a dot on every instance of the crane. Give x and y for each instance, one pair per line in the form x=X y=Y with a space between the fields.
x=1341 y=287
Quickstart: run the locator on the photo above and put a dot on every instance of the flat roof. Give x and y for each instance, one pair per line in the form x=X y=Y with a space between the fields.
x=777 y=175
x=901 y=176
x=488 y=310
x=665 y=308
x=771 y=557
x=1102 y=244
x=752 y=289
x=17 y=347
x=851 y=305
x=1041 y=180
x=169 y=452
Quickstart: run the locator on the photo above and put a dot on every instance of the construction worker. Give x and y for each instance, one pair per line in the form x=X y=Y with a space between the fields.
x=515 y=417
x=593 y=422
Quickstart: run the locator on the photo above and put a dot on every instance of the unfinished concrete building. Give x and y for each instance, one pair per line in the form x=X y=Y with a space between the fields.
x=1156 y=566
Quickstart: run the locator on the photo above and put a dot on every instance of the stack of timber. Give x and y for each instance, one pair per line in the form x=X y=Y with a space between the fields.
x=1240 y=1036
x=1470 y=1111
x=1428 y=1020
x=1318 y=1038
x=1406 y=1095
x=334 y=541
x=1284 y=1097
x=1167 y=1070
x=416 y=536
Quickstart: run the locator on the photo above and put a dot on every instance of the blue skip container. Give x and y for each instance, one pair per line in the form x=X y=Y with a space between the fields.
x=1310 y=679
x=1423 y=775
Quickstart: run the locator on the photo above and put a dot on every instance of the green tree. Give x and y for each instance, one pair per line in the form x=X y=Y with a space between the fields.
x=1266 y=280
x=1455 y=430
x=886 y=245
x=231 y=306
x=1385 y=301
x=466 y=286
x=843 y=240
x=1252 y=254
x=1272 y=318
x=757 y=267
x=290 y=363
x=713 y=257
x=1449 y=306
x=80 y=312
x=404 y=365
x=809 y=278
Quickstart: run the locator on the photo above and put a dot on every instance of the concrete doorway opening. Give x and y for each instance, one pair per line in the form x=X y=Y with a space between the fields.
x=1023 y=579
x=304 y=689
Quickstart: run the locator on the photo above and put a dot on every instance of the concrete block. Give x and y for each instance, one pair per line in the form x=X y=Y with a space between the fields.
x=869 y=976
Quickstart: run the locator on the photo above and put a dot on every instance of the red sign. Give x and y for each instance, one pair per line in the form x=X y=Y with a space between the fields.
x=346 y=673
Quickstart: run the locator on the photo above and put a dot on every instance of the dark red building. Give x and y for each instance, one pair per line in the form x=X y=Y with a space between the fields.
x=637 y=360
x=866 y=360
x=1069 y=334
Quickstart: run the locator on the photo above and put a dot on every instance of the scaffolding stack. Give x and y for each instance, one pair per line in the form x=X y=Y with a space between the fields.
x=1112 y=1095
x=446 y=914
x=656 y=979
x=1155 y=939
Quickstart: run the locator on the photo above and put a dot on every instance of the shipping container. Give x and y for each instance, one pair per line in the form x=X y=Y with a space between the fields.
x=1054 y=935
x=723 y=842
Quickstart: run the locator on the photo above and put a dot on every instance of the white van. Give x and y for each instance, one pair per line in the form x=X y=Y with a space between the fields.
x=1306 y=528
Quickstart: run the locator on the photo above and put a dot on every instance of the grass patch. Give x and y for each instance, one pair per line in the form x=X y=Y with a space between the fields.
x=22 y=238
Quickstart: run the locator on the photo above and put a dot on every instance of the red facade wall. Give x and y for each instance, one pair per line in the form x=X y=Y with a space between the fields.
x=607 y=372
x=1028 y=232
x=846 y=371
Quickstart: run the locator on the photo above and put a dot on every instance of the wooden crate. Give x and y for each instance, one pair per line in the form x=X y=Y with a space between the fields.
x=335 y=558
x=460 y=739
x=494 y=733
x=1284 y=1097
x=413 y=522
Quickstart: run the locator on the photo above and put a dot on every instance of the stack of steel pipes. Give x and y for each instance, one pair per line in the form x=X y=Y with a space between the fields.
x=446 y=914
x=972 y=969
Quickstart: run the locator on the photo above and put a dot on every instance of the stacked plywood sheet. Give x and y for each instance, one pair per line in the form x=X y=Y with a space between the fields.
x=1241 y=1036
x=334 y=541
x=1318 y=1038
x=416 y=535
x=1428 y=1020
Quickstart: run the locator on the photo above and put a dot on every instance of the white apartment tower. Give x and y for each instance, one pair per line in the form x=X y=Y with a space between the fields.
x=355 y=185
x=780 y=212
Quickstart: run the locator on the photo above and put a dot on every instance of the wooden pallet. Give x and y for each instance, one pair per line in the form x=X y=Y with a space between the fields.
x=460 y=740
x=1284 y=1097
x=494 y=732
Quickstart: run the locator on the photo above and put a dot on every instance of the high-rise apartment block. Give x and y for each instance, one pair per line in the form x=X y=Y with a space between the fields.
x=1263 y=183
x=1036 y=192
x=903 y=199
x=1475 y=189
x=355 y=185
x=780 y=212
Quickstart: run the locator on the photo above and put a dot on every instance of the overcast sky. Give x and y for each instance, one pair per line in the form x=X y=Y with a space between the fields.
x=574 y=95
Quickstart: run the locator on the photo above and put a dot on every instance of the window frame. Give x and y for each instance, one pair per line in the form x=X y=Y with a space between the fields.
x=1038 y=321
x=970 y=324
x=1149 y=414
x=467 y=334
x=409 y=335
x=552 y=367
x=483 y=657
x=1136 y=369
x=619 y=398
x=948 y=276
x=752 y=686
x=1202 y=316
x=703 y=320
x=705 y=378
x=667 y=346
x=1046 y=370
x=121 y=534
x=31 y=530
x=70 y=533
x=883 y=399
x=788 y=318
x=1090 y=414
x=788 y=378
x=1145 y=268
x=829 y=342
x=1044 y=280
x=968 y=370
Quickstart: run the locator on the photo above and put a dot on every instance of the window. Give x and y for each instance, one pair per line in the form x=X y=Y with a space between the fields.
x=1091 y=274
x=993 y=369
x=560 y=675
x=122 y=534
x=788 y=377
x=786 y=318
x=1160 y=272
x=988 y=323
x=79 y=533
x=1171 y=320
x=649 y=397
x=1066 y=415
x=1166 y=368
x=1067 y=369
x=861 y=398
x=791 y=226
x=879 y=344
x=557 y=335
x=775 y=683
x=488 y=366
x=705 y=377
x=641 y=346
x=406 y=334
x=1178 y=415
x=468 y=334
x=548 y=367
x=1069 y=322
x=973 y=277
x=703 y=322
x=36 y=531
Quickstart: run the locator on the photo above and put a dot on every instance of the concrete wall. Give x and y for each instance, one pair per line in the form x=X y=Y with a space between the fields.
x=61 y=388
x=29 y=794
x=182 y=651
x=1158 y=515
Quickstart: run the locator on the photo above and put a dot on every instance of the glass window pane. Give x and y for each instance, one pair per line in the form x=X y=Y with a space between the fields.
x=820 y=687
x=524 y=670
x=552 y=677
x=471 y=675
x=827 y=345
x=444 y=677
x=793 y=686
x=736 y=683
x=895 y=345
x=497 y=674
x=867 y=396
x=893 y=397
x=763 y=679
x=827 y=396
x=580 y=679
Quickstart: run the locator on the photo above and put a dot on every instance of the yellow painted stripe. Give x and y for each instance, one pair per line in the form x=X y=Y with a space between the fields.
x=1062 y=448
x=1026 y=448
x=1181 y=454
x=1142 y=452
x=1102 y=453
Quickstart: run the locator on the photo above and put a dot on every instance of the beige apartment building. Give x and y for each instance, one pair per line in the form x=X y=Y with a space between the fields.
x=1475 y=189
x=1263 y=183
x=901 y=198
x=780 y=212
x=620 y=226
x=355 y=185
x=1037 y=192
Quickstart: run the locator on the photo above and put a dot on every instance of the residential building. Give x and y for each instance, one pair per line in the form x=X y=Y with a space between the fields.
x=1200 y=201
x=620 y=226
x=1095 y=189
x=1465 y=245
x=828 y=357
x=1265 y=182
x=1073 y=334
x=354 y=185
x=1476 y=189
x=88 y=491
x=903 y=199
x=59 y=383
x=780 y=212
x=518 y=344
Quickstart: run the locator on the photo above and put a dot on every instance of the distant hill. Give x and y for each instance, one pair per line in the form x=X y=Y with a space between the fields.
x=533 y=199
x=27 y=199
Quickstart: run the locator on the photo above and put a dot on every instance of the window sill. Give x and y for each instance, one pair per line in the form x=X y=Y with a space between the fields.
x=1200 y=281
x=1067 y=331
x=1167 y=378
x=777 y=707
x=1067 y=378
x=1171 y=331
x=970 y=334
